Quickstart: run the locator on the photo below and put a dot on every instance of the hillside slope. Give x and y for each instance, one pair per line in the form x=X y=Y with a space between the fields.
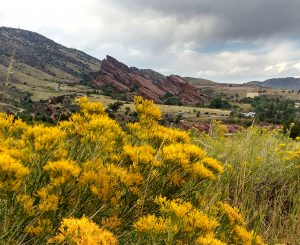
x=290 y=83
x=199 y=81
x=37 y=58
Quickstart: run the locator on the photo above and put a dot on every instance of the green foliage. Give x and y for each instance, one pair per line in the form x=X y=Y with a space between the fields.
x=127 y=110
x=115 y=106
x=107 y=90
x=292 y=129
x=49 y=111
x=173 y=100
x=219 y=103
x=274 y=110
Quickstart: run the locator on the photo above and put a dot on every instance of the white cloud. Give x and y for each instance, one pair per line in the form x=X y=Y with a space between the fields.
x=269 y=68
x=297 y=66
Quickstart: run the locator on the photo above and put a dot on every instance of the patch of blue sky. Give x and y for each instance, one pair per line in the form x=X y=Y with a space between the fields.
x=228 y=46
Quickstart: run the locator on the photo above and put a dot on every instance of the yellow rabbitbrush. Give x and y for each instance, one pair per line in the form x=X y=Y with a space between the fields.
x=88 y=181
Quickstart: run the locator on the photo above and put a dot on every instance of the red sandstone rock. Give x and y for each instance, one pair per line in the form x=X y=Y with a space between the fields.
x=150 y=84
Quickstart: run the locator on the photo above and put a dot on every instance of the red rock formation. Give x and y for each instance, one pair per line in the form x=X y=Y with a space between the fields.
x=150 y=84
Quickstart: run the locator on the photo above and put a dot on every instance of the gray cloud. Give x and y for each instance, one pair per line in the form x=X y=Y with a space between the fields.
x=223 y=40
x=236 y=19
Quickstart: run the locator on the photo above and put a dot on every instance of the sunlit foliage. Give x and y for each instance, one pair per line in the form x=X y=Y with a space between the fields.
x=88 y=181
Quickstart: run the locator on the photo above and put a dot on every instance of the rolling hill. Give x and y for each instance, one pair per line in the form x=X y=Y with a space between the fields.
x=199 y=81
x=289 y=83
x=37 y=58
x=35 y=67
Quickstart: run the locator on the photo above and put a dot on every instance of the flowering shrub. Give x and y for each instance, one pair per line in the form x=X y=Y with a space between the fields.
x=88 y=181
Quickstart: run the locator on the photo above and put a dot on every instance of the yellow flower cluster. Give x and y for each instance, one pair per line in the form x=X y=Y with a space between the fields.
x=10 y=127
x=182 y=154
x=101 y=180
x=146 y=110
x=61 y=171
x=213 y=164
x=42 y=138
x=153 y=225
x=180 y=222
x=106 y=181
x=48 y=201
x=6 y=122
x=191 y=159
x=293 y=155
x=190 y=219
x=238 y=231
x=141 y=155
x=82 y=231
x=12 y=147
x=209 y=239
x=39 y=227
x=89 y=108
x=28 y=203
x=148 y=130
x=155 y=134
x=12 y=173
x=98 y=135
x=243 y=236
x=232 y=214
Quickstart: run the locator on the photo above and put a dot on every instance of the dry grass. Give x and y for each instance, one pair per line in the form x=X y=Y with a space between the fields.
x=261 y=178
x=10 y=108
x=189 y=112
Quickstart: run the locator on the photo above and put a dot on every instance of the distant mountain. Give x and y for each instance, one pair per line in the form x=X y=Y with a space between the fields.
x=35 y=57
x=253 y=83
x=290 y=83
x=199 y=81
x=119 y=78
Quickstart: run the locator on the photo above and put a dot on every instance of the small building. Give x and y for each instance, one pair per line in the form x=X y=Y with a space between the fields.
x=252 y=94
x=297 y=105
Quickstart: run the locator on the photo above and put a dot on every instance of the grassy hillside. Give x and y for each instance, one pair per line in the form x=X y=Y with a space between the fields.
x=41 y=58
x=199 y=81
x=35 y=66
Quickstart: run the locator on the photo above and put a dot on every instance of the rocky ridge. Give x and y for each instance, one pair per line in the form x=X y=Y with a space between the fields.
x=150 y=84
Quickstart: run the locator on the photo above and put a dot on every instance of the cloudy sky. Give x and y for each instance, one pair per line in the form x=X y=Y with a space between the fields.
x=223 y=40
